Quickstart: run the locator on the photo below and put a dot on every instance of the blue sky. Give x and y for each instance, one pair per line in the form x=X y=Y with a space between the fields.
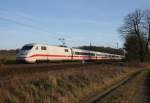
x=78 y=21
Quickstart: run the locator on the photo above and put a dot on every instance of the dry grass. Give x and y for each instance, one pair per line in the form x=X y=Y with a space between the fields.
x=125 y=93
x=63 y=86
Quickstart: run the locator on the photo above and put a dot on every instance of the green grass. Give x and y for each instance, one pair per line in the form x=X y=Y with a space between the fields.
x=8 y=57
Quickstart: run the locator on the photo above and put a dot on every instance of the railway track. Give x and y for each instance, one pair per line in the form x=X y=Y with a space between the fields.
x=17 y=69
x=101 y=96
x=33 y=68
x=42 y=67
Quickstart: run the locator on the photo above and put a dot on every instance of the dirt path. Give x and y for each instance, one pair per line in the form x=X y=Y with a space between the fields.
x=143 y=95
x=131 y=92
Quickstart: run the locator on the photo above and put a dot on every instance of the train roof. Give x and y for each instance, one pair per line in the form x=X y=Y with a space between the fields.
x=42 y=44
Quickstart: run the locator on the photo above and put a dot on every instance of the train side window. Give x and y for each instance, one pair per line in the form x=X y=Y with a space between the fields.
x=36 y=48
x=77 y=53
x=43 y=48
x=66 y=50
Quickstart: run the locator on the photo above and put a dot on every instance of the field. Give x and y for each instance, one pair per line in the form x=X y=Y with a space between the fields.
x=73 y=85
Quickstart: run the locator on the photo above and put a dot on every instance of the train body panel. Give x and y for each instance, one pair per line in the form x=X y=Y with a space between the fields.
x=41 y=52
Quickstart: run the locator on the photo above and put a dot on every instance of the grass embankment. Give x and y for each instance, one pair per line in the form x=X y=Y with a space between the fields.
x=70 y=86
x=8 y=57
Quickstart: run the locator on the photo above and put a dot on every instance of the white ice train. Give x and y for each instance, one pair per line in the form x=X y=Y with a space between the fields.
x=32 y=53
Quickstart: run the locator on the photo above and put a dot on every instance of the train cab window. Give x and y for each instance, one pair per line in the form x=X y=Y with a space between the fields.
x=43 y=48
x=36 y=48
x=66 y=50
x=27 y=47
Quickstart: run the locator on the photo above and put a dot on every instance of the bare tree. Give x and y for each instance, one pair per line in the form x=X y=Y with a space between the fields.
x=133 y=26
x=147 y=26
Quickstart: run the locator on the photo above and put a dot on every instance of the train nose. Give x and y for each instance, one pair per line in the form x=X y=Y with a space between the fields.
x=22 y=54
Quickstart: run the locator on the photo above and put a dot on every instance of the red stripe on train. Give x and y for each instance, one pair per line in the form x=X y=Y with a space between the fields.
x=35 y=55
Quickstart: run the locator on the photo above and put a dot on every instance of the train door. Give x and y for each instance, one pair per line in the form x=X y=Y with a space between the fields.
x=67 y=53
x=44 y=53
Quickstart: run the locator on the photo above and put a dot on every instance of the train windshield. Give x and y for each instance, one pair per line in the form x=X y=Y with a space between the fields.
x=27 y=47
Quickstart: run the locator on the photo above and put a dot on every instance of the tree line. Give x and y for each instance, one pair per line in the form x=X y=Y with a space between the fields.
x=103 y=49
